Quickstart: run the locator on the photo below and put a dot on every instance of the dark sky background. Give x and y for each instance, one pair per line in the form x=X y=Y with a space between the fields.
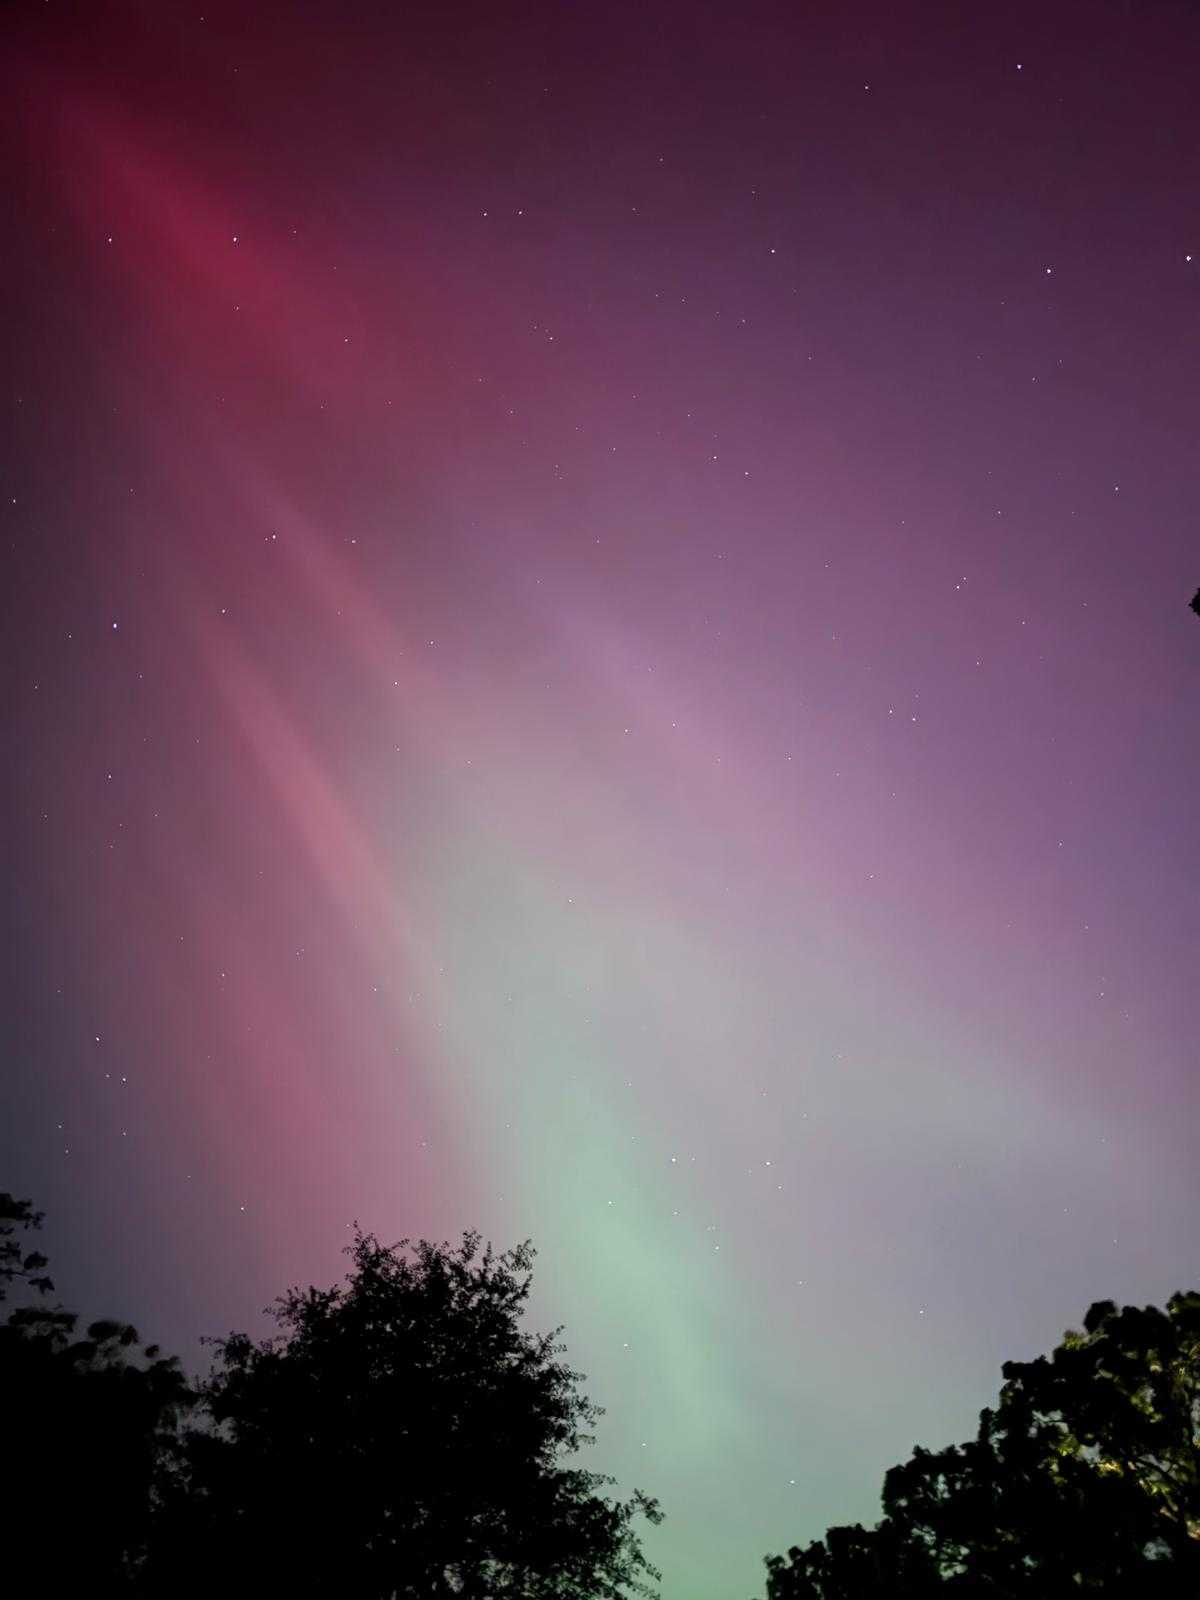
x=597 y=646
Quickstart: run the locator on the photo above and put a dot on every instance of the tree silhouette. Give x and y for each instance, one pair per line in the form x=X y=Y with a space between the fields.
x=1086 y=1477
x=401 y=1437
x=18 y=1266
x=91 y=1423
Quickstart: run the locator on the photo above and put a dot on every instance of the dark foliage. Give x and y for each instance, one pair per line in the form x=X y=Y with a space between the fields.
x=19 y=1265
x=402 y=1436
x=95 y=1418
x=1085 y=1478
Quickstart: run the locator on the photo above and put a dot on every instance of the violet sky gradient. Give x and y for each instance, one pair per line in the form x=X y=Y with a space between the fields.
x=598 y=647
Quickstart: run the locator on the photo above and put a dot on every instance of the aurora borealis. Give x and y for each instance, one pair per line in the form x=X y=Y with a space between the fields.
x=598 y=649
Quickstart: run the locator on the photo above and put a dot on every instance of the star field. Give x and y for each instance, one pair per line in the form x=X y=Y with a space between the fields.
x=598 y=649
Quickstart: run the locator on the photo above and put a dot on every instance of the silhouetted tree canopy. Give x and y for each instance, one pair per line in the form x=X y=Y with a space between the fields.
x=90 y=1423
x=1085 y=1477
x=17 y=1264
x=401 y=1436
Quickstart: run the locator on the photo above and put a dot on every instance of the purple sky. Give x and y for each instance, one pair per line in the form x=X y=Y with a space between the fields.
x=597 y=609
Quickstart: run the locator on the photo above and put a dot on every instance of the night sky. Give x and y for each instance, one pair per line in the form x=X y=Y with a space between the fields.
x=597 y=647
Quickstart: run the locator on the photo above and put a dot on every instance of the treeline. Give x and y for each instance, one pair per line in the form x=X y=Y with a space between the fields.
x=403 y=1436
x=1083 y=1479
